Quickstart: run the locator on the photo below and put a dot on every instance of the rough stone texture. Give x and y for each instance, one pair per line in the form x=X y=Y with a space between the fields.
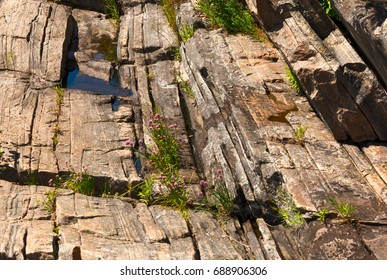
x=90 y=135
x=25 y=227
x=366 y=21
x=104 y=228
x=213 y=243
x=146 y=48
x=93 y=44
x=241 y=118
x=244 y=117
x=333 y=242
x=35 y=37
x=336 y=80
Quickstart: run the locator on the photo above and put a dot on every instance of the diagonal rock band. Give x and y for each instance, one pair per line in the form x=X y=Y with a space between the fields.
x=305 y=171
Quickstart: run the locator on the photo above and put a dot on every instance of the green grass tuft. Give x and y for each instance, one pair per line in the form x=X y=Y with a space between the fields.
x=299 y=134
x=287 y=209
x=186 y=32
x=293 y=80
x=230 y=14
x=327 y=7
x=112 y=11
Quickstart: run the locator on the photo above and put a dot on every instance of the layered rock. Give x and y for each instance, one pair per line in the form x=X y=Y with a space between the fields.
x=367 y=24
x=338 y=83
x=35 y=38
x=146 y=50
x=241 y=116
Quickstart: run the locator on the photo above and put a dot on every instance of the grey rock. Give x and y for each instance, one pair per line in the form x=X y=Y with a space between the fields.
x=336 y=80
x=367 y=23
x=37 y=45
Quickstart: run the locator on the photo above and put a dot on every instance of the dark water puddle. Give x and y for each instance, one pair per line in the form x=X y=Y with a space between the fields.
x=137 y=164
x=77 y=80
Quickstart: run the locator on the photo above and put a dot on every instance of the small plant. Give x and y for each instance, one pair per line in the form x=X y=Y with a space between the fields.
x=293 y=80
x=344 y=210
x=163 y=152
x=186 y=32
x=224 y=202
x=322 y=214
x=185 y=87
x=112 y=11
x=55 y=229
x=59 y=99
x=80 y=182
x=299 y=134
x=55 y=138
x=1 y=152
x=145 y=191
x=174 y=192
x=287 y=209
x=327 y=6
x=49 y=201
x=150 y=76
x=10 y=58
x=231 y=15
x=59 y=102
x=177 y=54
x=168 y=7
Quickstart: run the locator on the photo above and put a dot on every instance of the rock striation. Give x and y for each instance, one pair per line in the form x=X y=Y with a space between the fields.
x=237 y=117
x=336 y=80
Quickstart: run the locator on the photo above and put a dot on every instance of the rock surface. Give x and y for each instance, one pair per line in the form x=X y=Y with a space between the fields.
x=236 y=121
x=335 y=79
x=367 y=24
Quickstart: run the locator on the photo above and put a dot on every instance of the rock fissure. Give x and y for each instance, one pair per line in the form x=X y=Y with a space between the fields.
x=241 y=118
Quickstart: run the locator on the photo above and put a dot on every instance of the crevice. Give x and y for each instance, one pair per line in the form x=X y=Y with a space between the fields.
x=194 y=241
x=23 y=251
x=28 y=37
x=44 y=34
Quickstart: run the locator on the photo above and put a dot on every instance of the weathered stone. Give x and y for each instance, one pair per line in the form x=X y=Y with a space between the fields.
x=37 y=45
x=367 y=24
x=94 y=49
x=170 y=221
x=253 y=242
x=212 y=242
x=341 y=87
x=375 y=239
x=25 y=227
x=96 y=145
x=154 y=231
x=333 y=242
x=104 y=228
x=267 y=243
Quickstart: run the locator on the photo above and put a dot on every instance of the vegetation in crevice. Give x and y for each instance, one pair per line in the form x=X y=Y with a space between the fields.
x=166 y=186
x=186 y=32
x=112 y=11
x=327 y=7
x=168 y=7
x=287 y=210
x=9 y=60
x=58 y=109
x=344 y=210
x=299 y=134
x=79 y=182
x=234 y=16
x=49 y=202
x=293 y=80
x=185 y=87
